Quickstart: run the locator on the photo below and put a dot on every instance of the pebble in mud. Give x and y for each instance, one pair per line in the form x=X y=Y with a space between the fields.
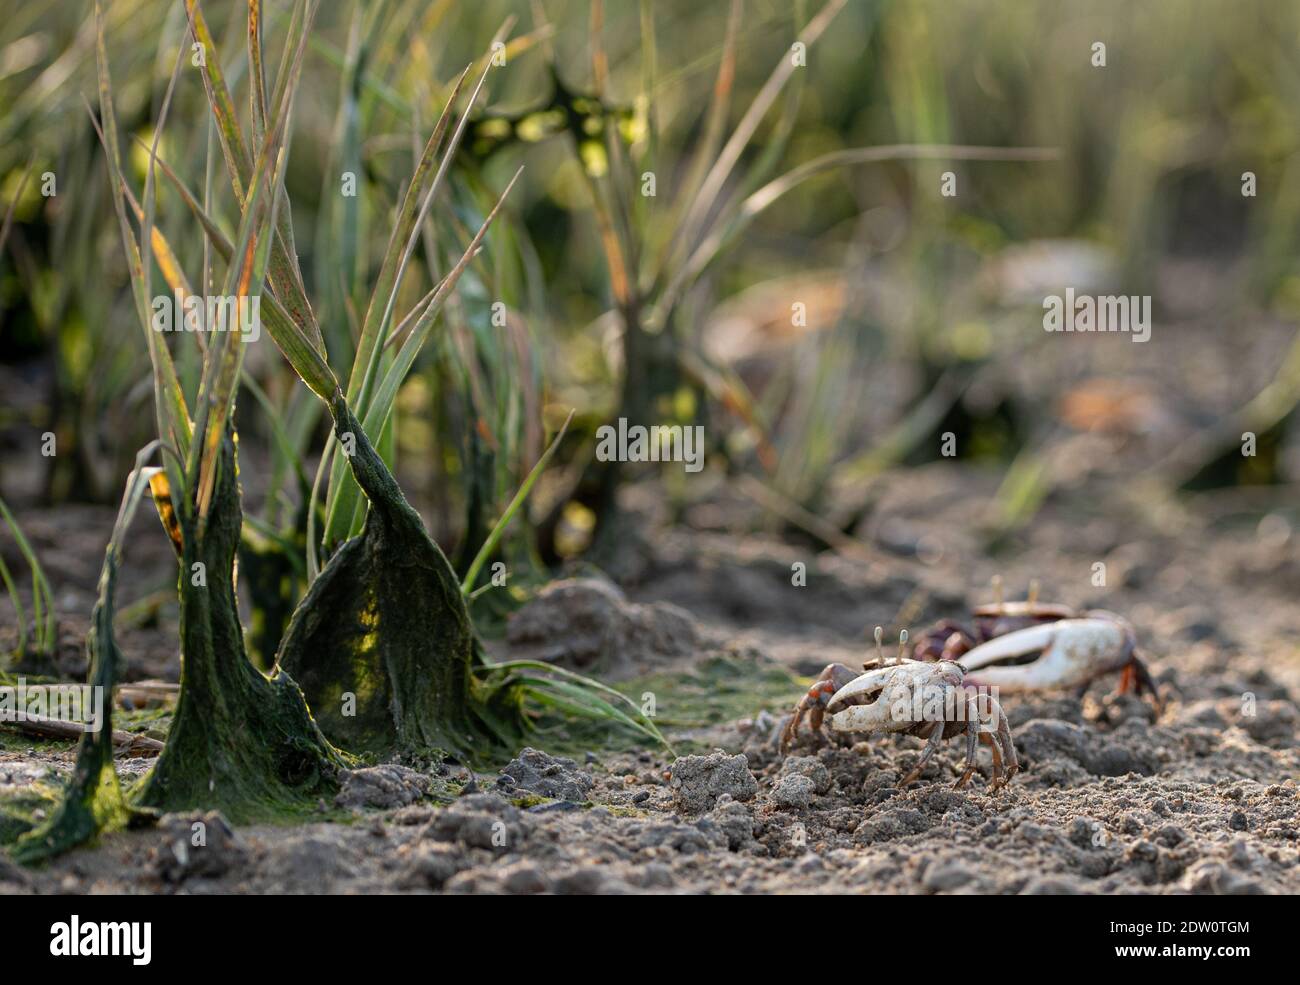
x=698 y=781
x=534 y=771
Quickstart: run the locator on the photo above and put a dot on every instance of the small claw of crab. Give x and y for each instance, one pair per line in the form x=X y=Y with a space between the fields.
x=813 y=703
x=865 y=704
x=1068 y=653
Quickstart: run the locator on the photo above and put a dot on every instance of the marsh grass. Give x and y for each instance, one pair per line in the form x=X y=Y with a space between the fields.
x=44 y=618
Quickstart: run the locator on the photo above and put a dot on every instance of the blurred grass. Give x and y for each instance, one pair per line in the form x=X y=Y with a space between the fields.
x=1152 y=149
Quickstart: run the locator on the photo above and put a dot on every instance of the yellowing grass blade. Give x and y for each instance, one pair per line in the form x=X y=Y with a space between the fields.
x=284 y=272
x=244 y=280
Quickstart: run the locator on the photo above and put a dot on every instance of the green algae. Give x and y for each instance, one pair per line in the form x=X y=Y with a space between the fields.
x=382 y=643
x=92 y=800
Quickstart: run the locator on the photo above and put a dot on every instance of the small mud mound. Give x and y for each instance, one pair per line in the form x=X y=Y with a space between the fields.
x=588 y=624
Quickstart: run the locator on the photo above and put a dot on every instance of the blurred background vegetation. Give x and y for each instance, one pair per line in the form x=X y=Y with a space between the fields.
x=921 y=314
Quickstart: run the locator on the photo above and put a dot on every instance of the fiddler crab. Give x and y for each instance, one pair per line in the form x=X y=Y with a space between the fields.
x=953 y=688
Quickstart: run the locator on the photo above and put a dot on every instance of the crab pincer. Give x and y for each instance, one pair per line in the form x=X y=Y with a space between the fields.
x=1066 y=654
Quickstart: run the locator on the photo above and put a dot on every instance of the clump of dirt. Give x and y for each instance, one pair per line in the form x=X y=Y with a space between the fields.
x=548 y=776
x=699 y=781
x=588 y=623
x=198 y=846
x=382 y=787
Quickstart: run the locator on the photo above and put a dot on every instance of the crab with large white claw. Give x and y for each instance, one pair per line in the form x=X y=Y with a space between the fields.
x=1051 y=653
x=910 y=697
x=934 y=701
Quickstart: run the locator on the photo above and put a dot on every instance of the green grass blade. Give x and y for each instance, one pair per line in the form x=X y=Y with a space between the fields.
x=244 y=281
x=13 y=205
x=727 y=230
x=19 y=612
x=169 y=401
x=382 y=403
x=256 y=77
x=292 y=341
x=498 y=531
x=44 y=620
x=343 y=505
x=640 y=722
x=284 y=274
x=703 y=203
x=401 y=243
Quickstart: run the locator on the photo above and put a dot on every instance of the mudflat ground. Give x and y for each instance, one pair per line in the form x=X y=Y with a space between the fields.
x=706 y=622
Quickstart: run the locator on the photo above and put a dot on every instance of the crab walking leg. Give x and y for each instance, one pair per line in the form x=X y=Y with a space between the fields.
x=972 y=743
x=1137 y=680
x=990 y=739
x=931 y=747
x=1004 y=751
x=971 y=746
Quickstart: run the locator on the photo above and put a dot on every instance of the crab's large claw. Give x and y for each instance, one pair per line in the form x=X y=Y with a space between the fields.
x=1066 y=654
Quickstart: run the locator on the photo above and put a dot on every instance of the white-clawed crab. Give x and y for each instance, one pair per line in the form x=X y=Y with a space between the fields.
x=1068 y=654
x=911 y=697
x=1053 y=651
